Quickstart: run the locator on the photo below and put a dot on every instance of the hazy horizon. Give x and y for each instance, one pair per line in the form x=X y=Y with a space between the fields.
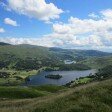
x=61 y=47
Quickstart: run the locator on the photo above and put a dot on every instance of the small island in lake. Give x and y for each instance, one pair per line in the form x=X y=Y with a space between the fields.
x=51 y=76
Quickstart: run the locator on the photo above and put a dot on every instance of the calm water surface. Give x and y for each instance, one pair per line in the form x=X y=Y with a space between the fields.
x=67 y=76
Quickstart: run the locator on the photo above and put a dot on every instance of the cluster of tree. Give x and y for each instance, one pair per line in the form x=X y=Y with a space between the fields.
x=27 y=65
x=105 y=72
x=3 y=64
x=33 y=63
x=7 y=60
x=73 y=67
x=4 y=75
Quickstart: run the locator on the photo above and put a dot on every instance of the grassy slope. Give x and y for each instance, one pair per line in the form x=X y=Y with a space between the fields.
x=93 y=97
x=11 y=55
x=49 y=88
x=98 y=62
x=23 y=51
x=19 y=92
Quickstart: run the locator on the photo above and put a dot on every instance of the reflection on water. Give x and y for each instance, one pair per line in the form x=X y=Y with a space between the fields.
x=67 y=76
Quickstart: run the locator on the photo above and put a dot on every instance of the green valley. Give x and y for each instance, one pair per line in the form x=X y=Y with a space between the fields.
x=19 y=62
x=55 y=55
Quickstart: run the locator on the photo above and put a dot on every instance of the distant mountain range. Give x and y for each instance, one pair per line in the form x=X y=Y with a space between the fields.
x=32 y=51
x=3 y=44
x=11 y=54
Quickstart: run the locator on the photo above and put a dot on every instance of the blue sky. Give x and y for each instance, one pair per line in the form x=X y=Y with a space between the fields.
x=57 y=23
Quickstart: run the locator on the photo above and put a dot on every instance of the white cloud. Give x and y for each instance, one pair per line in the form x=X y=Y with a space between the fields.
x=107 y=13
x=2 y=30
x=35 y=9
x=76 y=33
x=93 y=15
x=86 y=32
x=59 y=28
x=10 y=22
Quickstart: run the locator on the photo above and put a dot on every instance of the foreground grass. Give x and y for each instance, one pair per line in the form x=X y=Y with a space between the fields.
x=93 y=97
x=96 y=98
x=50 y=88
x=19 y=92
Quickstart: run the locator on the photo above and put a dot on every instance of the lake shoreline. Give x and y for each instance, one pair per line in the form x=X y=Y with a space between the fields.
x=67 y=76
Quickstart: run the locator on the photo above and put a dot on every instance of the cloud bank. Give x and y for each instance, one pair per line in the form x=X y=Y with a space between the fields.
x=94 y=32
x=35 y=9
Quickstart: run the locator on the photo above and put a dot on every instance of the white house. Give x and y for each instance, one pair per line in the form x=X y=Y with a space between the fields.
x=69 y=62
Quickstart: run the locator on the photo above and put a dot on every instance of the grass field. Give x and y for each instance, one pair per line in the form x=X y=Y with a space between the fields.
x=16 y=77
x=49 y=88
x=98 y=62
x=22 y=92
x=83 y=80
x=92 y=97
x=19 y=92
x=22 y=74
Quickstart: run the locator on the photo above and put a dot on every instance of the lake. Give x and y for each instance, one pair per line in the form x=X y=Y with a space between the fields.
x=67 y=76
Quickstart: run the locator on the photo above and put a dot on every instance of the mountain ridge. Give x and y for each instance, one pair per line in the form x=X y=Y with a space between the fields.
x=39 y=56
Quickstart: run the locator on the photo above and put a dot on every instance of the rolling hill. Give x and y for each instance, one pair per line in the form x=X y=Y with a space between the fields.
x=38 y=56
x=98 y=62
